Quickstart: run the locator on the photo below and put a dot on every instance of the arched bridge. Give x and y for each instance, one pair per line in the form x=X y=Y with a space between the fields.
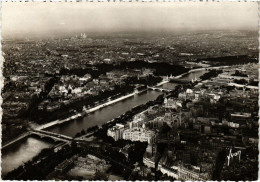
x=159 y=89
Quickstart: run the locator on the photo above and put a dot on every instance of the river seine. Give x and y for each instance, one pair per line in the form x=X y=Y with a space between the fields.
x=24 y=150
x=15 y=155
x=105 y=114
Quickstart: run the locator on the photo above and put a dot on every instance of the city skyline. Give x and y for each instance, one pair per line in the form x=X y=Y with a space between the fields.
x=42 y=19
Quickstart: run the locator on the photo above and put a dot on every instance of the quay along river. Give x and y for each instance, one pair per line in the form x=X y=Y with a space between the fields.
x=24 y=150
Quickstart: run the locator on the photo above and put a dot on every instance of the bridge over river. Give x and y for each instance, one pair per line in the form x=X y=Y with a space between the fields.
x=160 y=89
x=54 y=136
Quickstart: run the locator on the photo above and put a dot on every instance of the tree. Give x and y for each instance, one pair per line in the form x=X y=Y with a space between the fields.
x=238 y=73
x=242 y=81
x=82 y=132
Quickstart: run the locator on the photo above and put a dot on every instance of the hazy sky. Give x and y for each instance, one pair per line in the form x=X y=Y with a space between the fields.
x=46 y=18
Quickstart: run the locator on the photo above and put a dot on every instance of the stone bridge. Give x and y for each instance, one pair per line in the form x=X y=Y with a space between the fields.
x=159 y=89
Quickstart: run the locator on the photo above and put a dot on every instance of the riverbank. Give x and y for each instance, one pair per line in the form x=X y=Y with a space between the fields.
x=116 y=113
x=85 y=112
x=82 y=114
x=79 y=115
x=23 y=151
x=96 y=108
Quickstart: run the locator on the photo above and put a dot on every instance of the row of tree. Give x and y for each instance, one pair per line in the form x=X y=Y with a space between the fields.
x=210 y=74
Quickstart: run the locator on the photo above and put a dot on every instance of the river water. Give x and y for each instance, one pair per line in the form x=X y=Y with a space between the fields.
x=25 y=150
x=194 y=75
x=16 y=154
x=105 y=114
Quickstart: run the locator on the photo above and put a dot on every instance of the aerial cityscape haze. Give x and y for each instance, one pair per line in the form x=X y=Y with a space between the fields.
x=130 y=91
x=44 y=19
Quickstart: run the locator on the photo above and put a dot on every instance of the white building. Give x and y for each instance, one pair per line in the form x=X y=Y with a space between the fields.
x=116 y=131
x=172 y=103
x=139 y=134
x=182 y=96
